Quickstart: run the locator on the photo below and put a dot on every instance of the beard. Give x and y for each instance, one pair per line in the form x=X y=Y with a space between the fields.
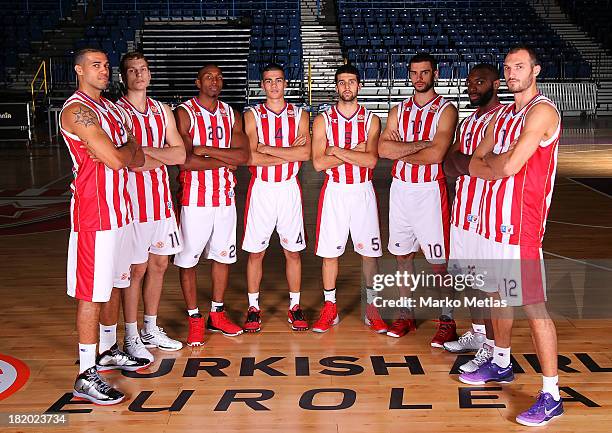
x=518 y=87
x=427 y=88
x=483 y=99
x=349 y=99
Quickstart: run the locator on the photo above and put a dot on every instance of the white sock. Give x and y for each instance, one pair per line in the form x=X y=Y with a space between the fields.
x=254 y=300
x=87 y=356
x=150 y=323
x=196 y=310
x=479 y=329
x=551 y=386
x=370 y=294
x=490 y=343
x=131 y=329
x=215 y=307
x=330 y=295
x=501 y=356
x=294 y=299
x=108 y=337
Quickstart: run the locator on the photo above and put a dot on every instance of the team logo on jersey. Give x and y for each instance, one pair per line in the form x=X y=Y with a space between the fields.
x=471 y=218
x=290 y=112
x=285 y=241
x=263 y=115
x=506 y=229
x=223 y=253
x=360 y=117
x=159 y=244
x=223 y=112
x=198 y=113
x=230 y=193
x=125 y=276
x=14 y=373
x=434 y=108
x=333 y=120
x=360 y=246
x=154 y=109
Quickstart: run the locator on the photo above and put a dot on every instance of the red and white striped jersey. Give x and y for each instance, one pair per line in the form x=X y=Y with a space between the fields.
x=279 y=130
x=514 y=209
x=100 y=197
x=347 y=133
x=208 y=128
x=418 y=123
x=468 y=190
x=149 y=190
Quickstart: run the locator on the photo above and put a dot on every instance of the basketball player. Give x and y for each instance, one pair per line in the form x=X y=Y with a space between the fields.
x=418 y=133
x=279 y=141
x=155 y=228
x=99 y=250
x=215 y=145
x=344 y=144
x=518 y=159
x=482 y=84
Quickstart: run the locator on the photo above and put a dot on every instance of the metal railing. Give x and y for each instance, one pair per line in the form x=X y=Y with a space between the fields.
x=43 y=83
x=233 y=7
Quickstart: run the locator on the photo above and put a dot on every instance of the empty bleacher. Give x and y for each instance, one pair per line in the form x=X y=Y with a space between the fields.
x=378 y=37
x=593 y=16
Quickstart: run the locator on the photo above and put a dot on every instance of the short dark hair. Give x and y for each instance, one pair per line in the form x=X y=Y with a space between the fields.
x=424 y=57
x=347 y=69
x=79 y=56
x=532 y=54
x=488 y=68
x=272 y=67
x=132 y=55
x=207 y=65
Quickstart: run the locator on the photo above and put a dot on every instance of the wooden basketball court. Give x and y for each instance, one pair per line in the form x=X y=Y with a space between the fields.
x=347 y=380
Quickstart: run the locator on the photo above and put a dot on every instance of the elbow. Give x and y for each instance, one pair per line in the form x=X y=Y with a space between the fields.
x=371 y=163
x=116 y=164
x=509 y=169
x=244 y=159
x=382 y=151
x=181 y=157
x=304 y=156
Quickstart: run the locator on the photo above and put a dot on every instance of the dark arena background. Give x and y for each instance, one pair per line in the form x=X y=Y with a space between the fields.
x=348 y=380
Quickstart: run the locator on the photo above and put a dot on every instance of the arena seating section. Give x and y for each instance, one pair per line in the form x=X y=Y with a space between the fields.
x=276 y=37
x=22 y=23
x=594 y=16
x=275 y=31
x=380 y=39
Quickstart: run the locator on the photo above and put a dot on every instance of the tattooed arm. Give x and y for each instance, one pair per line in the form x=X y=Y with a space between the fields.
x=80 y=120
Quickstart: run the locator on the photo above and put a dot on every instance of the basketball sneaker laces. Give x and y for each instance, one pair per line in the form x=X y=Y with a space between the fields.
x=444 y=328
x=327 y=313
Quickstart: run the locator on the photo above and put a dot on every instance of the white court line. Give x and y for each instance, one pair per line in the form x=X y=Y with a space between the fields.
x=590 y=187
x=578 y=261
x=579 y=225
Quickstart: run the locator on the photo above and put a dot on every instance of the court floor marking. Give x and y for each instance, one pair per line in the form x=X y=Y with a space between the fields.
x=590 y=187
x=582 y=262
x=579 y=225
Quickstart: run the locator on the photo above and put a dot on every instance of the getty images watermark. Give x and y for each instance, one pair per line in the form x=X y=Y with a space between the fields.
x=459 y=282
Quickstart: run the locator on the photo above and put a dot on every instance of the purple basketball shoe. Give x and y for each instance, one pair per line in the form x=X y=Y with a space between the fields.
x=545 y=409
x=488 y=372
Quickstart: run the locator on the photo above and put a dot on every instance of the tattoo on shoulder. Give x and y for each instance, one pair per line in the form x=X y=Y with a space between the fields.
x=84 y=117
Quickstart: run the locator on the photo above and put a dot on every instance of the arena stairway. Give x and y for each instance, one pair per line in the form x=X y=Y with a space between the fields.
x=178 y=49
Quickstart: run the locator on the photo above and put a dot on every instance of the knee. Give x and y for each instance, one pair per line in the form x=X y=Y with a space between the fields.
x=258 y=257
x=158 y=266
x=138 y=271
x=405 y=259
x=292 y=256
x=439 y=269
